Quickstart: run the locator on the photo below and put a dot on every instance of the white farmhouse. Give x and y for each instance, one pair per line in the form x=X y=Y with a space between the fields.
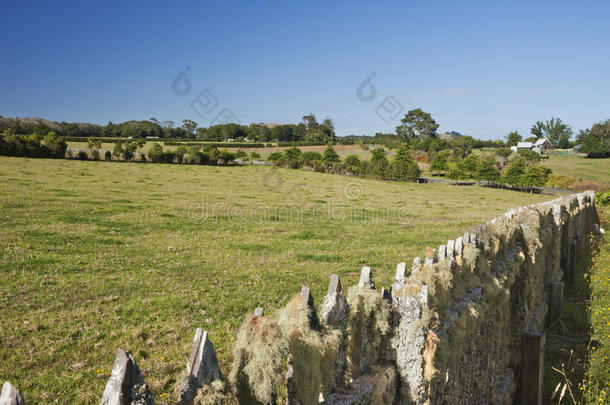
x=540 y=146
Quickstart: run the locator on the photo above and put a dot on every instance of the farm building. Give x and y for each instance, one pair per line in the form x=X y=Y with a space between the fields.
x=540 y=146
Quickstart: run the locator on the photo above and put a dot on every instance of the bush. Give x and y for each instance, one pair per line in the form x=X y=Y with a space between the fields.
x=82 y=155
x=330 y=156
x=560 y=181
x=240 y=154
x=404 y=168
x=179 y=153
x=255 y=155
x=274 y=157
x=51 y=146
x=312 y=157
x=603 y=199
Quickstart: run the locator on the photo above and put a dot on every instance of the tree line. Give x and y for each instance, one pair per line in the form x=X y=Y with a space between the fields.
x=402 y=166
x=309 y=130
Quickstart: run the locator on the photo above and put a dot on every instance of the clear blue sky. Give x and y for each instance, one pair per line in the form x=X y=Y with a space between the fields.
x=480 y=68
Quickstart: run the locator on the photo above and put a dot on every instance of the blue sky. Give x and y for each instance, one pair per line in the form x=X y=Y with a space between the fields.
x=480 y=68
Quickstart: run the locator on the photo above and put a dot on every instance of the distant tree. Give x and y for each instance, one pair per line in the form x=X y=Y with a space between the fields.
x=416 y=124
x=515 y=170
x=129 y=150
x=531 y=157
x=534 y=176
x=312 y=156
x=179 y=153
x=378 y=155
x=93 y=143
x=502 y=155
x=352 y=160
x=439 y=163
x=292 y=153
x=328 y=128
x=189 y=126
x=311 y=123
x=117 y=152
x=469 y=165
x=456 y=173
x=487 y=171
x=462 y=146
x=404 y=168
x=155 y=154
x=240 y=154
x=555 y=130
x=595 y=142
x=225 y=156
x=513 y=138
x=274 y=157
x=330 y=156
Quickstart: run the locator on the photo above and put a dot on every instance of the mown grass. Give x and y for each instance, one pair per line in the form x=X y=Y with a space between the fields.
x=95 y=255
x=342 y=150
x=580 y=167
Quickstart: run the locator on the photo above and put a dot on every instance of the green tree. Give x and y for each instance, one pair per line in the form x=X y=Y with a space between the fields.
x=502 y=156
x=240 y=154
x=328 y=128
x=513 y=138
x=595 y=142
x=470 y=165
x=378 y=155
x=555 y=130
x=404 y=168
x=312 y=156
x=461 y=146
x=487 y=171
x=117 y=152
x=533 y=176
x=456 y=173
x=274 y=157
x=292 y=153
x=180 y=152
x=155 y=154
x=531 y=157
x=439 y=163
x=330 y=156
x=129 y=150
x=416 y=124
x=515 y=170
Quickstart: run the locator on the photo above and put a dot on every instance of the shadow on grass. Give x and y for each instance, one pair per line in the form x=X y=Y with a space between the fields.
x=568 y=340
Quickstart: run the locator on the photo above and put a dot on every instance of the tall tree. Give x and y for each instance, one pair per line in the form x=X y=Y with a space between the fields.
x=595 y=141
x=513 y=138
x=328 y=128
x=189 y=126
x=330 y=156
x=416 y=124
x=404 y=168
x=555 y=130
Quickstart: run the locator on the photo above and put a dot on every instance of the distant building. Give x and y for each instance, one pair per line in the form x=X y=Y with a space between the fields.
x=540 y=146
x=543 y=144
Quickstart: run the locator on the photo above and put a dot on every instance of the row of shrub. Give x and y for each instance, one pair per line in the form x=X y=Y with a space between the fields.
x=34 y=145
x=220 y=144
x=522 y=170
x=401 y=168
x=128 y=151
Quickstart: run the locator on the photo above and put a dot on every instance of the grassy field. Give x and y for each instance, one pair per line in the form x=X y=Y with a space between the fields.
x=96 y=255
x=342 y=150
x=580 y=168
